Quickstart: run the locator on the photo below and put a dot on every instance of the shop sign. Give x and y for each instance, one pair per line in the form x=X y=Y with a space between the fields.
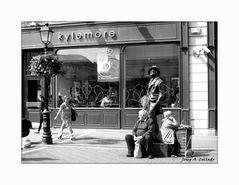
x=88 y=35
x=128 y=33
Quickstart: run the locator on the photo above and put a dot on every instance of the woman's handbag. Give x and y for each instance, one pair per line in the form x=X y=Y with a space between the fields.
x=73 y=115
x=137 y=150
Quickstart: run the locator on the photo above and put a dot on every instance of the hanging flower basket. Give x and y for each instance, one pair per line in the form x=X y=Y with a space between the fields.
x=46 y=65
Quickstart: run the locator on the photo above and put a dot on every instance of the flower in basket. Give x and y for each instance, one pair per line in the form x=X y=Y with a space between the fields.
x=46 y=65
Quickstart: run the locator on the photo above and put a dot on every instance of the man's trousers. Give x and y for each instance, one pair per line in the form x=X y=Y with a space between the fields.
x=146 y=144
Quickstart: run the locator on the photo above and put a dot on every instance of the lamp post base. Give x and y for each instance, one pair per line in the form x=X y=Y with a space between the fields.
x=46 y=137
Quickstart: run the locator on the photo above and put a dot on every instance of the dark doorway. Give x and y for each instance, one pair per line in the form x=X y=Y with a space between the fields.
x=33 y=88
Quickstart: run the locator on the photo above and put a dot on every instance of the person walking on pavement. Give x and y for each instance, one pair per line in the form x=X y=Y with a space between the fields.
x=42 y=106
x=65 y=110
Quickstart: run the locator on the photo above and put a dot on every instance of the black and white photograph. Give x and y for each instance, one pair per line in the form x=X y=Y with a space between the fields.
x=130 y=92
x=119 y=92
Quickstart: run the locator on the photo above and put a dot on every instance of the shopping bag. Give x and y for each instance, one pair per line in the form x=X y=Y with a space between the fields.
x=73 y=115
x=137 y=150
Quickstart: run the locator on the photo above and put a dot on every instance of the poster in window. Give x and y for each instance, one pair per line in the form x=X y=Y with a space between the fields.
x=108 y=65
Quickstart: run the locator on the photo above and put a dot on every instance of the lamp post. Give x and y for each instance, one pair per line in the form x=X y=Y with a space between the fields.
x=46 y=36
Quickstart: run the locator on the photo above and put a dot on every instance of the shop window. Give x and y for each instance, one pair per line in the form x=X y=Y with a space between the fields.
x=91 y=76
x=138 y=59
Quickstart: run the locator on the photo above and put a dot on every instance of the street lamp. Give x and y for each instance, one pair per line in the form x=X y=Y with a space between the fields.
x=46 y=36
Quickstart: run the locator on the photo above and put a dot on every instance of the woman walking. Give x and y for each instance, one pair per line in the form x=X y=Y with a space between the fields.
x=65 y=110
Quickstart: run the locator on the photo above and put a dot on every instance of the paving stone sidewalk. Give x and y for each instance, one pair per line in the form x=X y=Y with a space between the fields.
x=96 y=146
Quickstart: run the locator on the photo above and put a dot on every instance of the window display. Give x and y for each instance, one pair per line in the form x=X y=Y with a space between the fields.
x=138 y=59
x=91 y=74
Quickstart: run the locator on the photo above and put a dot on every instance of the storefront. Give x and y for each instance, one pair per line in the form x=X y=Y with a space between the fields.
x=110 y=60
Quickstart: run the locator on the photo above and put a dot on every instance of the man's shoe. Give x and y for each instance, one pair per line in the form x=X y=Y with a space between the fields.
x=129 y=155
x=150 y=157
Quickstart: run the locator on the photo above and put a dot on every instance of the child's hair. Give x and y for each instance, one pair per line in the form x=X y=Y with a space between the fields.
x=144 y=101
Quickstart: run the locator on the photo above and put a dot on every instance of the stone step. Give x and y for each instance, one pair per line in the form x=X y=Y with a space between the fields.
x=160 y=150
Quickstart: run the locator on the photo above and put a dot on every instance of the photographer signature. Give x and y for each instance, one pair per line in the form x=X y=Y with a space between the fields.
x=198 y=159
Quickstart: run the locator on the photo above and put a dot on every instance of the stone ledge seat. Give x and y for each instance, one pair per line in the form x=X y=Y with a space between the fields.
x=160 y=150
x=183 y=135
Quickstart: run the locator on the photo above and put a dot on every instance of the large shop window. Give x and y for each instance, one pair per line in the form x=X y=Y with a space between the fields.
x=138 y=60
x=91 y=76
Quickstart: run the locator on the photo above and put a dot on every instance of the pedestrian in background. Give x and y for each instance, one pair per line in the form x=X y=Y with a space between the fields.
x=106 y=101
x=26 y=126
x=66 y=111
x=42 y=106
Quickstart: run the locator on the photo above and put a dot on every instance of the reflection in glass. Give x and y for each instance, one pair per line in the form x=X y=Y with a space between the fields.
x=138 y=60
x=91 y=74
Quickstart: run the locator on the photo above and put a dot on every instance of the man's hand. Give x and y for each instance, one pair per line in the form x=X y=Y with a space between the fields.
x=138 y=139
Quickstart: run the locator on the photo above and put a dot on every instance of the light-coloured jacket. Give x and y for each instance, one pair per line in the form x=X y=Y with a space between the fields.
x=167 y=129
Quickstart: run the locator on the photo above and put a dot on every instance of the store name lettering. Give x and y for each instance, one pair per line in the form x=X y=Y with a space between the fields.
x=86 y=35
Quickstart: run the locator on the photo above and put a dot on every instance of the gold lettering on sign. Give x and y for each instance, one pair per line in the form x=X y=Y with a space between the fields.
x=73 y=35
x=78 y=35
x=86 y=35
x=60 y=36
x=98 y=34
x=112 y=34
x=67 y=37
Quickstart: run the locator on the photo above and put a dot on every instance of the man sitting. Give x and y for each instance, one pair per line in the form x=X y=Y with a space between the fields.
x=143 y=132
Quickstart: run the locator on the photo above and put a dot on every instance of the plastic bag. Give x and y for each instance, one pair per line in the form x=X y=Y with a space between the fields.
x=137 y=150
